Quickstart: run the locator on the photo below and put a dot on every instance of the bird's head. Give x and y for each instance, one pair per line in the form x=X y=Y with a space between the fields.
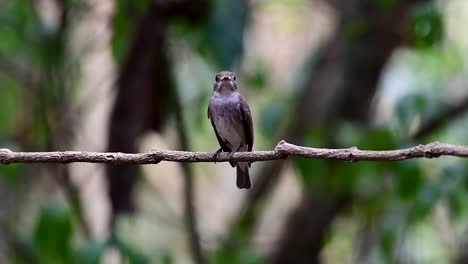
x=225 y=82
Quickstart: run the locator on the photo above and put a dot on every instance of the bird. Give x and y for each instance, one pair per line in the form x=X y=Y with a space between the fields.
x=231 y=119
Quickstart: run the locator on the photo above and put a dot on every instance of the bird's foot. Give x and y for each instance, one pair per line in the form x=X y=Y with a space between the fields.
x=215 y=156
x=233 y=164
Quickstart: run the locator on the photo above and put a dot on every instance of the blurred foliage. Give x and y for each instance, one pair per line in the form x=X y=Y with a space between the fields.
x=355 y=29
x=132 y=254
x=409 y=110
x=224 y=35
x=12 y=172
x=384 y=4
x=19 y=29
x=53 y=242
x=127 y=14
x=239 y=254
x=38 y=73
x=257 y=78
x=426 y=26
x=220 y=39
x=309 y=172
x=408 y=179
x=90 y=253
x=271 y=118
x=9 y=95
x=328 y=177
x=53 y=234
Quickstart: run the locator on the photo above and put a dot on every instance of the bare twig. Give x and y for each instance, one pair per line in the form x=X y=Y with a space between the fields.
x=282 y=151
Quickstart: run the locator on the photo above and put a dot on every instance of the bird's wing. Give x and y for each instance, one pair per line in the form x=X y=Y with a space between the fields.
x=221 y=140
x=247 y=123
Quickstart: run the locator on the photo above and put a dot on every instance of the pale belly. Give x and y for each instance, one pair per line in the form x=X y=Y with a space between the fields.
x=230 y=132
x=227 y=119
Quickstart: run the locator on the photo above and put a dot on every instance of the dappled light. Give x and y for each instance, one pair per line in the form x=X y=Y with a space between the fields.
x=123 y=125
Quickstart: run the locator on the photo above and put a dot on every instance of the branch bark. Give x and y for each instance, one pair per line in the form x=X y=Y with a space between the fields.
x=281 y=151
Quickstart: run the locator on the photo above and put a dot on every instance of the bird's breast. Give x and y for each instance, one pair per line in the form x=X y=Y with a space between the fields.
x=227 y=120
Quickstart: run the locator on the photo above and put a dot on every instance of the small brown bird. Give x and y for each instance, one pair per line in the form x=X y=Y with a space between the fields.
x=232 y=122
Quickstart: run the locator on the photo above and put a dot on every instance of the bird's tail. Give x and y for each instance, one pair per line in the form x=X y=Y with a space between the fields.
x=243 y=178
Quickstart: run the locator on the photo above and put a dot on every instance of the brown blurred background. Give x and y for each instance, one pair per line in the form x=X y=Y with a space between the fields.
x=128 y=76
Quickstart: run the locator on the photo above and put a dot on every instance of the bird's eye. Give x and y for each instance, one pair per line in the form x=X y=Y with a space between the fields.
x=234 y=78
x=217 y=78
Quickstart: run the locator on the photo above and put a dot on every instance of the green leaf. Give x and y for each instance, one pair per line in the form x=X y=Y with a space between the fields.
x=123 y=23
x=446 y=185
x=8 y=107
x=257 y=78
x=384 y=4
x=451 y=186
x=362 y=178
x=17 y=26
x=225 y=32
x=237 y=255
x=426 y=198
x=9 y=39
x=426 y=26
x=379 y=138
x=167 y=258
x=387 y=243
x=408 y=179
x=11 y=172
x=309 y=171
x=409 y=107
x=132 y=254
x=90 y=253
x=352 y=135
x=457 y=203
x=349 y=135
x=53 y=234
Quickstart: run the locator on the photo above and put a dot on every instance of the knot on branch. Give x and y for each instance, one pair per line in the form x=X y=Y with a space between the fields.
x=432 y=150
x=156 y=155
x=351 y=157
x=110 y=157
x=282 y=148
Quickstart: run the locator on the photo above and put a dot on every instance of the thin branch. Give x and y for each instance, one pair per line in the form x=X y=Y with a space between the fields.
x=282 y=151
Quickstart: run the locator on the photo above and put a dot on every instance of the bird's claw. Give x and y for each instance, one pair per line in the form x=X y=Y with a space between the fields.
x=215 y=156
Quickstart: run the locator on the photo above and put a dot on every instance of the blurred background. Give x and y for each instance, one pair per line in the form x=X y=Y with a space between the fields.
x=128 y=76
